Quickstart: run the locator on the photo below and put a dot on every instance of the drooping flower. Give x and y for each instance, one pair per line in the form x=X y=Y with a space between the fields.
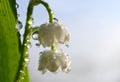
x=52 y=34
x=54 y=61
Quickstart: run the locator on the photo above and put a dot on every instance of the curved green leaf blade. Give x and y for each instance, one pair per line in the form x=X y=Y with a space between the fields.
x=9 y=42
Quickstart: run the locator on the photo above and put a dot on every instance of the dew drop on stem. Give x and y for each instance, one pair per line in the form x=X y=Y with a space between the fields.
x=19 y=25
x=35 y=35
x=18 y=15
x=29 y=45
x=31 y=21
x=26 y=60
x=17 y=5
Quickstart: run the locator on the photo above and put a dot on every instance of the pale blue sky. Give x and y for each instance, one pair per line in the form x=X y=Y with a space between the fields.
x=95 y=43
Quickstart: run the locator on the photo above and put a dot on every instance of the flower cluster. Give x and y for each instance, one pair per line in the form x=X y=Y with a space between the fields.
x=53 y=35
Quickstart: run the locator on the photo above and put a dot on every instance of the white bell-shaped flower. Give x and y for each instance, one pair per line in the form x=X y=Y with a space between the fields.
x=53 y=33
x=54 y=61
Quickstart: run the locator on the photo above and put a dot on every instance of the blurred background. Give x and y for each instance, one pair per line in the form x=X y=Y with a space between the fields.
x=95 y=43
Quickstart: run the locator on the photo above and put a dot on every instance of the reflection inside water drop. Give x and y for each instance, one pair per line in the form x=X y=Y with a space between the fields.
x=19 y=25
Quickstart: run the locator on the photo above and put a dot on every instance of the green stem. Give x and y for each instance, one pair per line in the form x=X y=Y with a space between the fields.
x=50 y=13
x=24 y=46
x=26 y=40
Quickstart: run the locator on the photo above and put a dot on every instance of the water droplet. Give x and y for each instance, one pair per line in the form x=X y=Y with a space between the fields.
x=26 y=52
x=68 y=70
x=17 y=5
x=29 y=45
x=22 y=78
x=55 y=19
x=22 y=71
x=28 y=40
x=19 y=25
x=25 y=44
x=26 y=59
x=25 y=64
x=37 y=44
x=35 y=35
x=31 y=21
x=18 y=15
x=67 y=45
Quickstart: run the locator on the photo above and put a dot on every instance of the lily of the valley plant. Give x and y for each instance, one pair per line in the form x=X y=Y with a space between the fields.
x=51 y=34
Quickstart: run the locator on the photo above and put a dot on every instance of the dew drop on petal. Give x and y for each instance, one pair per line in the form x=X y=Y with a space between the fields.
x=19 y=25
x=37 y=44
x=68 y=70
x=67 y=45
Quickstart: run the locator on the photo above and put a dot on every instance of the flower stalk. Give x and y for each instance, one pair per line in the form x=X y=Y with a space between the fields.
x=26 y=40
x=50 y=13
x=24 y=47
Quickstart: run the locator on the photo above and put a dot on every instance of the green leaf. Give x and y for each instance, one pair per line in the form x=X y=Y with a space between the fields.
x=9 y=42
